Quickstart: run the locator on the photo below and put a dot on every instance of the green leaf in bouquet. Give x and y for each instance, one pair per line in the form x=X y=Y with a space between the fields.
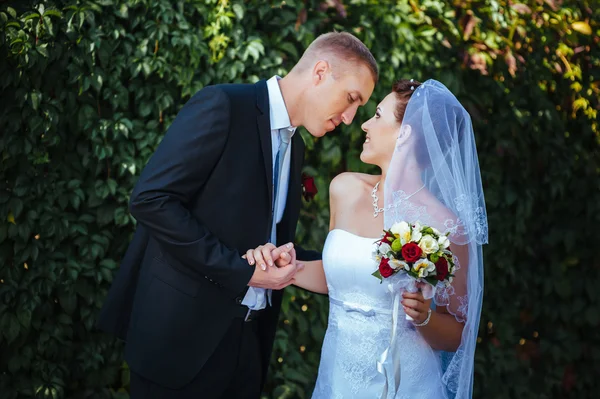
x=431 y=280
x=427 y=230
x=378 y=275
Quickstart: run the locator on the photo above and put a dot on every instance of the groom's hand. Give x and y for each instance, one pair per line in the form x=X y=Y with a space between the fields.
x=273 y=277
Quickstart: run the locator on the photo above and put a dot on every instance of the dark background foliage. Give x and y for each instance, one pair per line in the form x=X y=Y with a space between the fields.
x=88 y=88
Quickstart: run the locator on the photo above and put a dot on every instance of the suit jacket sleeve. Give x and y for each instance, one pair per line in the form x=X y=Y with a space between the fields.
x=178 y=169
x=307 y=255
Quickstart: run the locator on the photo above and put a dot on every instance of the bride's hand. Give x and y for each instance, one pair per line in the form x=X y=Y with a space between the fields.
x=286 y=258
x=266 y=254
x=415 y=305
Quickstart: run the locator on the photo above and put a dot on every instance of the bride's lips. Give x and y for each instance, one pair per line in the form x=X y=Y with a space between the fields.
x=367 y=140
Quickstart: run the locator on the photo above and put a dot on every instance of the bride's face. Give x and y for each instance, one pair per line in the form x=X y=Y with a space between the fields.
x=382 y=132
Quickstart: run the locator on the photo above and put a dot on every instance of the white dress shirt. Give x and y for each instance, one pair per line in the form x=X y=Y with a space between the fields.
x=256 y=298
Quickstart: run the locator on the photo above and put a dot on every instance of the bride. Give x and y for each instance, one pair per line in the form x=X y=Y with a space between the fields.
x=422 y=140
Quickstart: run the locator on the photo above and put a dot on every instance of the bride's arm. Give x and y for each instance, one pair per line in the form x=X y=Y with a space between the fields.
x=443 y=332
x=312 y=277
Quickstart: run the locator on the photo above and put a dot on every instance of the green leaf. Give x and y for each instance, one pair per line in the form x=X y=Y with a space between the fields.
x=109 y=264
x=16 y=206
x=289 y=48
x=43 y=51
x=34 y=15
x=11 y=11
x=378 y=275
x=67 y=300
x=24 y=317
x=112 y=186
x=106 y=274
x=145 y=109
x=238 y=9
x=582 y=27
x=11 y=327
x=53 y=13
x=35 y=100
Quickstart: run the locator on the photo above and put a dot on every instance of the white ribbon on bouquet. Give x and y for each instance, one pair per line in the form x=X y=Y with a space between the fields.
x=389 y=361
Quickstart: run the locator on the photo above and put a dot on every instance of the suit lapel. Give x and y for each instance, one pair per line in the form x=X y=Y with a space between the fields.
x=264 y=131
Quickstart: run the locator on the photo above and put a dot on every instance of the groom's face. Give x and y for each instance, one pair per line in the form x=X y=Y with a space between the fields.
x=335 y=97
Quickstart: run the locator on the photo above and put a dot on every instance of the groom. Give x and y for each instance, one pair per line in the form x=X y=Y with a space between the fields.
x=198 y=321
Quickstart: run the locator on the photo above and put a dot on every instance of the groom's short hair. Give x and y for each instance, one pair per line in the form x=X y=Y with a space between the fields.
x=343 y=46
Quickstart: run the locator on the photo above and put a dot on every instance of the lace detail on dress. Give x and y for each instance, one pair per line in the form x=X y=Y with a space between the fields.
x=363 y=346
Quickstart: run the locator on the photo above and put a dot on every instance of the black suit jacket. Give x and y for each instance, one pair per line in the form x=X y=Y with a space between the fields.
x=203 y=200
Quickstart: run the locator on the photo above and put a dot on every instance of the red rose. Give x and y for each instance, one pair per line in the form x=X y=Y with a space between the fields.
x=411 y=252
x=309 y=189
x=388 y=238
x=384 y=268
x=441 y=268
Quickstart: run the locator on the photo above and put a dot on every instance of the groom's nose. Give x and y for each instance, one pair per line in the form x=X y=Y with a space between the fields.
x=348 y=114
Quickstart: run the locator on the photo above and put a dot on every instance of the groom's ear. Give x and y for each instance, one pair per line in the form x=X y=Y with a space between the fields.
x=320 y=71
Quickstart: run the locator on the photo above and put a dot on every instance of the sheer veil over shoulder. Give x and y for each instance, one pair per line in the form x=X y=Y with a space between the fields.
x=447 y=155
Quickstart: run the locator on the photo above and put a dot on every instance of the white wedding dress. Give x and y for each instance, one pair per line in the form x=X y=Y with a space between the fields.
x=359 y=331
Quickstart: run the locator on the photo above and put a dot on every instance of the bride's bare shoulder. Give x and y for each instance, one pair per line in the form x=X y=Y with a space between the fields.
x=348 y=183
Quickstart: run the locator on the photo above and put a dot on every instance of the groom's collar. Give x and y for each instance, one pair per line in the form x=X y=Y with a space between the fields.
x=278 y=114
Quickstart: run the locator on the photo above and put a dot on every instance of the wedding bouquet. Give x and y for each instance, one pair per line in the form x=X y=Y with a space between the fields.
x=421 y=252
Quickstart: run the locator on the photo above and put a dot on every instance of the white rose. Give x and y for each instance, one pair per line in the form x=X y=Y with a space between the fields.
x=429 y=244
x=436 y=231
x=443 y=242
x=402 y=230
x=398 y=264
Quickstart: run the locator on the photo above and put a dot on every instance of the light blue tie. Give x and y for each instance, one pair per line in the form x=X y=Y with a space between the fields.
x=285 y=136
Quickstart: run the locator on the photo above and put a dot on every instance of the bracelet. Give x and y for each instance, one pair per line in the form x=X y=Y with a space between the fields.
x=426 y=320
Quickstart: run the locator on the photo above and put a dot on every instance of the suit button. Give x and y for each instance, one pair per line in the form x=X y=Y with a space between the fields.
x=239 y=300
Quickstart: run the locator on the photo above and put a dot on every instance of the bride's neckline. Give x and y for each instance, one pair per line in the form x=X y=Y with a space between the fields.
x=355 y=235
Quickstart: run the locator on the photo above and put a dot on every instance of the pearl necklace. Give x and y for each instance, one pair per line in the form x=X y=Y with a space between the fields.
x=377 y=210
